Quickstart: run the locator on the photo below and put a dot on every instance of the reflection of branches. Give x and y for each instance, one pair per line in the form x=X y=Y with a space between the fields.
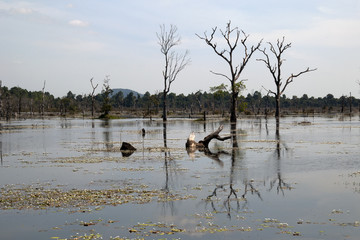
x=252 y=189
x=281 y=185
x=214 y=192
x=232 y=195
x=215 y=156
x=227 y=202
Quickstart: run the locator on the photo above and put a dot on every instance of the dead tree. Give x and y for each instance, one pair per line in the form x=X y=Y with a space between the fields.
x=174 y=62
x=275 y=70
x=191 y=144
x=228 y=56
x=93 y=97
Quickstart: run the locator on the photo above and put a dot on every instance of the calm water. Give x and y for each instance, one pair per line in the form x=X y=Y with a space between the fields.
x=303 y=183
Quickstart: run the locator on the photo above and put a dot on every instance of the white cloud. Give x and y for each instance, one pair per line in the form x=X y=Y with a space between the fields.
x=339 y=33
x=74 y=45
x=22 y=10
x=78 y=23
x=332 y=33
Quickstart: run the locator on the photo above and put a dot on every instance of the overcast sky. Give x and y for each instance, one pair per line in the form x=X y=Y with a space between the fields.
x=68 y=42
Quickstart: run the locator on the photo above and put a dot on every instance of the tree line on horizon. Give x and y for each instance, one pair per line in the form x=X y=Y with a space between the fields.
x=17 y=102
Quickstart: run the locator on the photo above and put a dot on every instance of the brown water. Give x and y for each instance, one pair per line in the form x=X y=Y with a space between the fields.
x=303 y=183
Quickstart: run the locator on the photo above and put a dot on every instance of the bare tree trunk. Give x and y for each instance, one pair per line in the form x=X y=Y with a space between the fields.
x=233 y=106
x=277 y=106
x=92 y=97
x=164 y=116
x=92 y=106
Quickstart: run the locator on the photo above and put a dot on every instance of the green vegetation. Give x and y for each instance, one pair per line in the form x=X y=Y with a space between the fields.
x=18 y=102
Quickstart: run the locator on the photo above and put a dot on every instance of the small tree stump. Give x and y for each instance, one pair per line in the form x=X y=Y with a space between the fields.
x=143 y=132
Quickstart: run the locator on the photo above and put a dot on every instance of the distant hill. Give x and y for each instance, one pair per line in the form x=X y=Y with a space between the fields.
x=125 y=92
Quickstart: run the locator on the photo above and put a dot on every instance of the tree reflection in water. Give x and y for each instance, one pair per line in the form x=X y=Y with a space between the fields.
x=234 y=202
x=107 y=134
x=169 y=167
x=235 y=199
x=279 y=182
x=236 y=168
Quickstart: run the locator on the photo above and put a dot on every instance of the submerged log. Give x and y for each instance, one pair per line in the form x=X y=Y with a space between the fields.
x=204 y=144
x=127 y=149
x=127 y=146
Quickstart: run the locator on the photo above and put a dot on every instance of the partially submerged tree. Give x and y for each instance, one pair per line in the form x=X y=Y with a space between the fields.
x=275 y=70
x=191 y=145
x=232 y=36
x=106 y=107
x=93 y=97
x=174 y=62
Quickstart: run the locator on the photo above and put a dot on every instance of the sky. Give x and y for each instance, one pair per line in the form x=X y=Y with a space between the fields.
x=66 y=43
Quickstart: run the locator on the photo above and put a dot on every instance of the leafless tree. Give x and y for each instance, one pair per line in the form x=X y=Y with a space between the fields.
x=232 y=36
x=174 y=62
x=93 y=96
x=275 y=70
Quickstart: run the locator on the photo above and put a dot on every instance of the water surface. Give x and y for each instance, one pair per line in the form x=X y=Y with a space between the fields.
x=302 y=182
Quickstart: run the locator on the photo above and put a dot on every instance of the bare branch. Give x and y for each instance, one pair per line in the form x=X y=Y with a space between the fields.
x=272 y=69
x=92 y=96
x=292 y=76
x=220 y=74
x=93 y=87
x=268 y=90
x=248 y=55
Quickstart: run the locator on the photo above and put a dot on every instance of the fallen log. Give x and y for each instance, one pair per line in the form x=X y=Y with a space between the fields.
x=204 y=144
